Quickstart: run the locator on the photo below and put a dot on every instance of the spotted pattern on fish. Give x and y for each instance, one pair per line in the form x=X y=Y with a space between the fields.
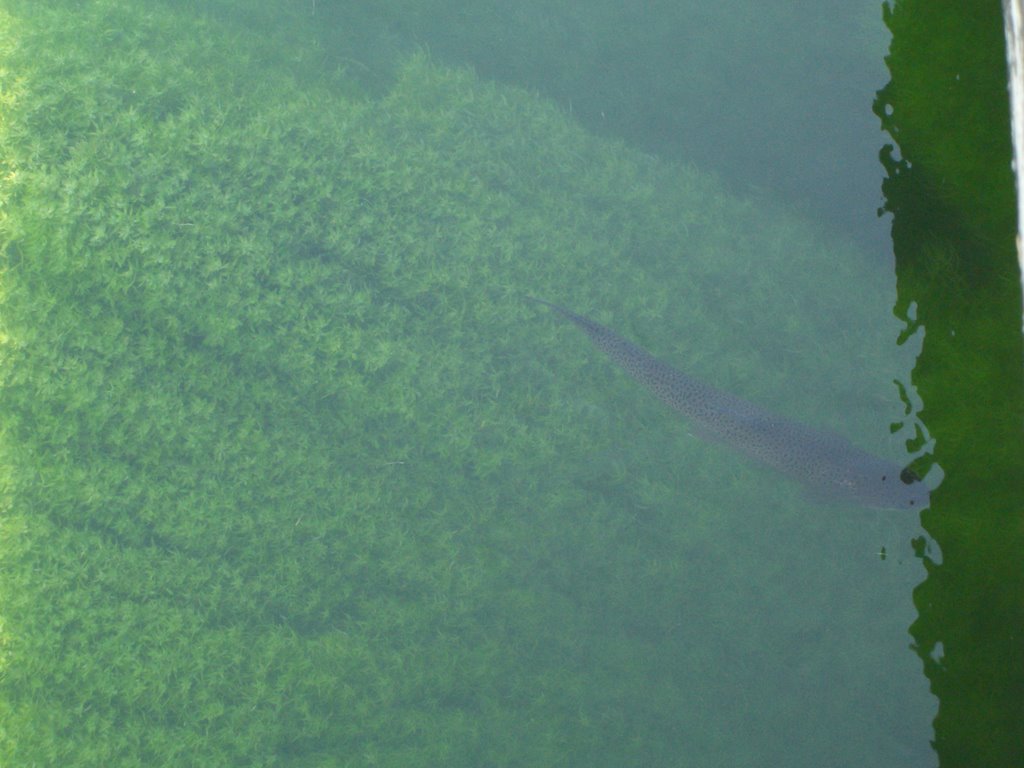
x=832 y=468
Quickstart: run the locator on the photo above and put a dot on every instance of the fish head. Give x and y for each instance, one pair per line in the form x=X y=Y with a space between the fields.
x=881 y=485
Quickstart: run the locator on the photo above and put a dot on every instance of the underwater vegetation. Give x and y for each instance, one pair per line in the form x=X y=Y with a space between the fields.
x=288 y=475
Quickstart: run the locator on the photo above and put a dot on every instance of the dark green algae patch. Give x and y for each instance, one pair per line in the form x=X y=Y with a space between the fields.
x=290 y=474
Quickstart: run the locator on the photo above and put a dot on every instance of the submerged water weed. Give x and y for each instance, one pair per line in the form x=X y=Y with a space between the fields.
x=295 y=472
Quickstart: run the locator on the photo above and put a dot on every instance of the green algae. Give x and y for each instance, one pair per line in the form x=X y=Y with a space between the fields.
x=292 y=476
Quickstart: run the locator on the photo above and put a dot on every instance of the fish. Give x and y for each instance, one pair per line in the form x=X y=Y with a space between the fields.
x=829 y=466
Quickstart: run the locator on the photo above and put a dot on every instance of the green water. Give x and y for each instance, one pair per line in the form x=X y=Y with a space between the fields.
x=293 y=476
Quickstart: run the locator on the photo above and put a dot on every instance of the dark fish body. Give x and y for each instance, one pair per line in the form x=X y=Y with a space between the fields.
x=830 y=466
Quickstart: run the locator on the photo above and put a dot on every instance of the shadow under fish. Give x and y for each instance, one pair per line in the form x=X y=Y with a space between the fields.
x=829 y=466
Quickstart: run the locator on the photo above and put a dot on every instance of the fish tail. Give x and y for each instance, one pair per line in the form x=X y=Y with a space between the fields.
x=560 y=310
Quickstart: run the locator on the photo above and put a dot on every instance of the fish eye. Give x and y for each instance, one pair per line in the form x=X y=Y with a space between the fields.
x=909 y=476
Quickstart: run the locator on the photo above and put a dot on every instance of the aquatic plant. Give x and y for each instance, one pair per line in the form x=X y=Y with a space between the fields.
x=291 y=475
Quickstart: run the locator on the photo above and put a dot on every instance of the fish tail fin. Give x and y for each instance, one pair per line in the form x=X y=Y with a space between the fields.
x=559 y=310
